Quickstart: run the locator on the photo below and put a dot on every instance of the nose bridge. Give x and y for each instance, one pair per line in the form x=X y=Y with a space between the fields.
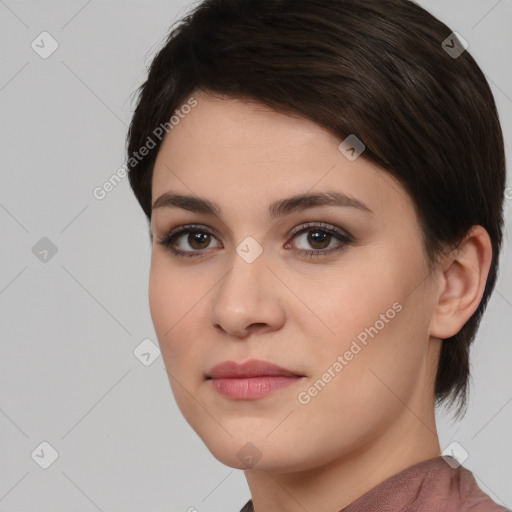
x=241 y=298
x=241 y=284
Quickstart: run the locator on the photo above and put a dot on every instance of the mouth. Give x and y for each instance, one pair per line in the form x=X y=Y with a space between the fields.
x=250 y=380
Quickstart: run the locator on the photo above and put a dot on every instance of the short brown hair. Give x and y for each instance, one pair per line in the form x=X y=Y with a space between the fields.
x=373 y=68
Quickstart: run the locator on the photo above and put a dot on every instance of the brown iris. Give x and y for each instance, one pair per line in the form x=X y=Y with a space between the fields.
x=318 y=237
x=201 y=239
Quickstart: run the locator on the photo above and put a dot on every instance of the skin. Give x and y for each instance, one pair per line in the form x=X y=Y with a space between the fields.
x=376 y=416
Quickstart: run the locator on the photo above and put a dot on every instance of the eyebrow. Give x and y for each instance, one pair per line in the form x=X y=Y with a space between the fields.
x=278 y=208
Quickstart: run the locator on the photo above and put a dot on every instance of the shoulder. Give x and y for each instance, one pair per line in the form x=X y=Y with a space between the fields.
x=435 y=485
x=451 y=487
x=472 y=497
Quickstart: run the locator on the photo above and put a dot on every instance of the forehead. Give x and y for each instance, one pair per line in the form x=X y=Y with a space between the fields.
x=242 y=154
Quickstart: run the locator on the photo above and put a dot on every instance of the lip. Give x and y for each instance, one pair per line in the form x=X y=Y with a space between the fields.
x=251 y=368
x=251 y=379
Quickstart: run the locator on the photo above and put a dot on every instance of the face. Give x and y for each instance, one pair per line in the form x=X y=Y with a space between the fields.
x=336 y=292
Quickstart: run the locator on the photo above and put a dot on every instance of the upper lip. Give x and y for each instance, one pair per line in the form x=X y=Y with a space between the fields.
x=251 y=368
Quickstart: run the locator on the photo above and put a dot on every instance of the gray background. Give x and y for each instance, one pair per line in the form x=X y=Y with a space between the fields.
x=70 y=325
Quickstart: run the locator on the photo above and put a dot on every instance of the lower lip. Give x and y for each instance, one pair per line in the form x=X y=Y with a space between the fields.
x=251 y=387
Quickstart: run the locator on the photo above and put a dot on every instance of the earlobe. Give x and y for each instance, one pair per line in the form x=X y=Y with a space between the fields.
x=462 y=283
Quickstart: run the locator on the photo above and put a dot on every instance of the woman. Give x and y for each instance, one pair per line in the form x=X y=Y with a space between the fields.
x=324 y=183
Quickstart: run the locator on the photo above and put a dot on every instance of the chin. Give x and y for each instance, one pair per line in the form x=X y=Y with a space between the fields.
x=259 y=454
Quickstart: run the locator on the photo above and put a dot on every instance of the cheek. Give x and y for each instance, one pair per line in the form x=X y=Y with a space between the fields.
x=347 y=304
x=178 y=310
x=175 y=310
x=162 y=299
x=378 y=319
x=170 y=292
x=384 y=358
x=167 y=305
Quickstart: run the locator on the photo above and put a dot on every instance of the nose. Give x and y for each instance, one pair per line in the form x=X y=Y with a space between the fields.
x=248 y=299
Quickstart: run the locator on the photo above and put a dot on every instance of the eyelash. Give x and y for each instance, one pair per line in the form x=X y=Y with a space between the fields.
x=168 y=239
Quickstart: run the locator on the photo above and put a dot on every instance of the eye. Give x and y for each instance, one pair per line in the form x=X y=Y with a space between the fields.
x=319 y=236
x=199 y=238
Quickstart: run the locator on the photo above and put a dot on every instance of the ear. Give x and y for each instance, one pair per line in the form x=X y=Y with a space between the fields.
x=462 y=284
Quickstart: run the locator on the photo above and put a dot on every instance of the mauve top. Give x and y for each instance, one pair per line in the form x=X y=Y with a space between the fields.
x=432 y=485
